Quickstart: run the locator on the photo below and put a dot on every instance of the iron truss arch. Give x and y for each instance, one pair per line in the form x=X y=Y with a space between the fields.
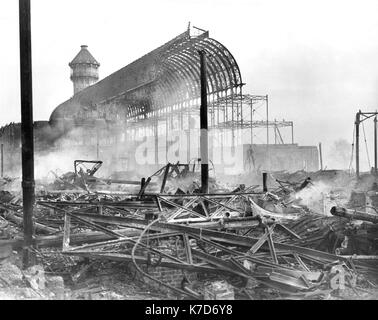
x=164 y=80
x=179 y=70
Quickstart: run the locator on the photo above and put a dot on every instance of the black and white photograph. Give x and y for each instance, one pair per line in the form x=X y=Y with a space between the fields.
x=188 y=153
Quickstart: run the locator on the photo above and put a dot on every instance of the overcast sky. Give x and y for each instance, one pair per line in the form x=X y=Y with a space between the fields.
x=317 y=60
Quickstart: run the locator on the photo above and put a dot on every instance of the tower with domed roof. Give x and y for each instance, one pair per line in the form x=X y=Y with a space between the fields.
x=84 y=70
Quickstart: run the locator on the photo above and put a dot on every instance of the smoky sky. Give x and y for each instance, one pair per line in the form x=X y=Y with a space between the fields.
x=317 y=60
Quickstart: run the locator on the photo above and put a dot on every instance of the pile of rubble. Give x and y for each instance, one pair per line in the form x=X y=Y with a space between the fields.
x=237 y=241
x=32 y=283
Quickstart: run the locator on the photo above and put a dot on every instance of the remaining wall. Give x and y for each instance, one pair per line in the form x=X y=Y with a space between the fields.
x=279 y=157
x=170 y=276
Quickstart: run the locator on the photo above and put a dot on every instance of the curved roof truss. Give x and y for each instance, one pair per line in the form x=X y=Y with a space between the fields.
x=166 y=78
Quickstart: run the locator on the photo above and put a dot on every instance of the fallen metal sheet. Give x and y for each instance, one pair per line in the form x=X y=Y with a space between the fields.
x=262 y=212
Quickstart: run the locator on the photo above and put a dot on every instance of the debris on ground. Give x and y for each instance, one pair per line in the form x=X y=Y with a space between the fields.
x=310 y=236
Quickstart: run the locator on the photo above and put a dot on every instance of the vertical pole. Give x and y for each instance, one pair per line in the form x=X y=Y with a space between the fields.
x=232 y=121
x=27 y=135
x=156 y=133
x=267 y=133
x=203 y=121
x=2 y=160
x=251 y=122
x=241 y=111
x=97 y=144
x=292 y=133
x=375 y=145
x=265 y=186
x=357 y=123
x=181 y=136
x=275 y=131
x=188 y=145
x=320 y=156
x=267 y=121
x=166 y=138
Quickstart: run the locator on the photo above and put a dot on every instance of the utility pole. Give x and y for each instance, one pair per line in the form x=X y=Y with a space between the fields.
x=292 y=133
x=320 y=156
x=27 y=135
x=97 y=144
x=267 y=121
x=375 y=145
x=204 y=127
x=365 y=116
x=275 y=131
x=267 y=133
x=357 y=123
x=265 y=179
x=2 y=160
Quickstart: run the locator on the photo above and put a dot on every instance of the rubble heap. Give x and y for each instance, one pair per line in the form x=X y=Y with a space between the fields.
x=237 y=241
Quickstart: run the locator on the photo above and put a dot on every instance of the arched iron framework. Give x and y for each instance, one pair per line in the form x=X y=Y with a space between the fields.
x=166 y=79
x=159 y=94
x=178 y=72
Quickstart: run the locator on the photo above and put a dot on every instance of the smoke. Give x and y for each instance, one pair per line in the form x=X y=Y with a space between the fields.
x=339 y=155
x=60 y=162
x=329 y=190
x=313 y=196
x=77 y=144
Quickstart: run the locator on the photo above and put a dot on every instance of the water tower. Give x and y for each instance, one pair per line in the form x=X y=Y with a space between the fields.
x=84 y=70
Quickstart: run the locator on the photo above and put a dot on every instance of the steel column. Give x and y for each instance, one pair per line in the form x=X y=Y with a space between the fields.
x=251 y=122
x=27 y=134
x=267 y=134
x=375 y=145
x=204 y=127
x=265 y=178
x=292 y=133
x=357 y=123
x=267 y=121
x=321 y=156
x=2 y=160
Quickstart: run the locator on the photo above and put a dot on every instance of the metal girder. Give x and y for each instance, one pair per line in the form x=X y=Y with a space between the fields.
x=223 y=237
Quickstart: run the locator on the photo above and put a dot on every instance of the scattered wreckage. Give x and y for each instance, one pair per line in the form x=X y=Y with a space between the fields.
x=245 y=235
